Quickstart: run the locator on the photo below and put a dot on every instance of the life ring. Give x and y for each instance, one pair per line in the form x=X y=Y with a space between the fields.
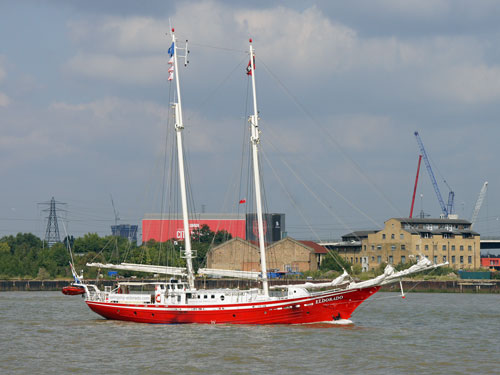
x=158 y=298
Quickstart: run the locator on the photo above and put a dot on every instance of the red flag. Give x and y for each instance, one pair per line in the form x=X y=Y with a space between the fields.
x=243 y=201
x=249 y=67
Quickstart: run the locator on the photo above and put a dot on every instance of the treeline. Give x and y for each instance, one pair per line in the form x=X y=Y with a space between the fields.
x=28 y=257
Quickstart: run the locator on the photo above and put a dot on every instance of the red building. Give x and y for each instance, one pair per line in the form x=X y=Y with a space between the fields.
x=491 y=263
x=154 y=227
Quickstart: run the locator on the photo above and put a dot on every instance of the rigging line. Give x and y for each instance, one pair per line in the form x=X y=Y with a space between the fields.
x=345 y=199
x=294 y=203
x=219 y=48
x=329 y=252
x=100 y=252
x=308 y=188
x=68 y=243
x=244 y=143
x=212 y=95
x=164 y=174
x=332 y=139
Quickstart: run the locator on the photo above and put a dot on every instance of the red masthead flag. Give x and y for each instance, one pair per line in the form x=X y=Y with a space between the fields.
x=249 y=67
x=243 y=201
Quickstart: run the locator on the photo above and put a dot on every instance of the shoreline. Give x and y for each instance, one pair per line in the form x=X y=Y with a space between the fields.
x=409 y=286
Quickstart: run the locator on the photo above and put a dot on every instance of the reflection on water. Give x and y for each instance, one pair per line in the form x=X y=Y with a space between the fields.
x=47 y=332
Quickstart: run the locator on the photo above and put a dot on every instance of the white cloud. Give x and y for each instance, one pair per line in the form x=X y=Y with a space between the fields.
x=467 y=83
x=121 y=35
x=4 y=99
x=420 y=8
x=306 y=44
x=132 y=70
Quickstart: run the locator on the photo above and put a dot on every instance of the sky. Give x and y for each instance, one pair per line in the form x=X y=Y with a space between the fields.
x=342 y=87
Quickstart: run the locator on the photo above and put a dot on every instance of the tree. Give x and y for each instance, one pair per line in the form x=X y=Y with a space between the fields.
x=333 y=261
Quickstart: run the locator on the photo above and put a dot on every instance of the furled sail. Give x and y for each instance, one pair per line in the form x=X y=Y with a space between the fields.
x=335 y=282
x=229 y=273
x=177 y=271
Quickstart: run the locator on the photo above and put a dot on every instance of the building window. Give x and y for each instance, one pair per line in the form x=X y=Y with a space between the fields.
x=401 y=236
x=379 y=247
x=453 y=247
x=373 y=259
x=417 y=247
x=470 y=259
x=392 y=236
x=356 y=259
x=469 y=247
x=403 y=247
x=444 y=258
x=393 y=247
x=444 y=247
x=461 y=247
x=435 y=259
x=383 y=236
x=461 y=259
x=403 y=259
x=426 y=247
x=453 y=259
x=352 y=260
x=365 y=247
x=379 y=259
x=418 y=257
x=390 y=259
x=373 y=247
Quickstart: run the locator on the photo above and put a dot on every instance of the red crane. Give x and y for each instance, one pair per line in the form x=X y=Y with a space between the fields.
x=415 y=188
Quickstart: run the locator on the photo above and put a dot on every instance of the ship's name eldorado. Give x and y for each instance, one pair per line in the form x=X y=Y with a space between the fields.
x=323 y=300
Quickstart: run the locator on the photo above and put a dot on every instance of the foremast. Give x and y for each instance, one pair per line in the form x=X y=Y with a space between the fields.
x=179 y=127
x=255 y=139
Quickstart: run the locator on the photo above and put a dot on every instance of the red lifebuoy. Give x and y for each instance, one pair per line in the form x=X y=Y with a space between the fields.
x=158 y=298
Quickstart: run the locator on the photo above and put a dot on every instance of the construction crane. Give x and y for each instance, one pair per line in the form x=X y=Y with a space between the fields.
x=446 y=209
x=415 y=188
x=117 y=218
x=479 y=202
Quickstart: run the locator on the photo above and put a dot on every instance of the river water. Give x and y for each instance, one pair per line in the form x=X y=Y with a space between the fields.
x=49 y=333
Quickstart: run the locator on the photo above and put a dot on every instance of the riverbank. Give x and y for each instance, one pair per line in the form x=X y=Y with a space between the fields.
x=438 y=286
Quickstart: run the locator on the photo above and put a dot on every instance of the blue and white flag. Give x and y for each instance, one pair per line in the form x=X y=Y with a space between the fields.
x=171 y=50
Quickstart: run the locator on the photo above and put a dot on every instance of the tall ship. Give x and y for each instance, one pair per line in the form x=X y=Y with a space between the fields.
x=177 y=300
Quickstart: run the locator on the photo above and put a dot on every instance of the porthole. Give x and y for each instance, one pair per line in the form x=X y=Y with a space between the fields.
x=222 y=298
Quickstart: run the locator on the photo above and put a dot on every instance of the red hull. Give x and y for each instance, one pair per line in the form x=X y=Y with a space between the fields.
x=72 y=290
x=321 y=308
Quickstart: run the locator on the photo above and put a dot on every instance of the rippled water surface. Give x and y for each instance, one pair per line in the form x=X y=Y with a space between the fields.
x=49 y=333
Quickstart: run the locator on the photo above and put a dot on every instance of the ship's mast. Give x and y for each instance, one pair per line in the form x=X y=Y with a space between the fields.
x=179 y=126
x=254 y=121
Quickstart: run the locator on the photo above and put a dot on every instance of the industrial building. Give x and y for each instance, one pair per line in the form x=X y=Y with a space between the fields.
x=284 y=256
x=126 y=231
x=164 y=227
x=403 y=240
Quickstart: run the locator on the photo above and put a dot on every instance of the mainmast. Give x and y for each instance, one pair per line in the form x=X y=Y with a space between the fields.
x=179 y=126
x=254 y=120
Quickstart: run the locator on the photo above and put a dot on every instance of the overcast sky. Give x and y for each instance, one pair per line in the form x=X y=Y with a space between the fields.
x=342 y=86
